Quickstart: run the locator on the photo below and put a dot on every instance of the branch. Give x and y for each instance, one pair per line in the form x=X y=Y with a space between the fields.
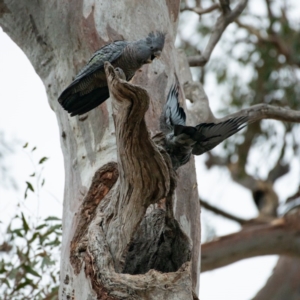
x=198 y=3
x=223 y=213
x=286 y=275
x=227 y=17
x=266 y=199
x=256 y=221
x=265 y=111
x=280 y=168
x=281 y=236
x=199 y=110
x=251 y=30
x=273 y=38
x=201 y=11
x=293 y=202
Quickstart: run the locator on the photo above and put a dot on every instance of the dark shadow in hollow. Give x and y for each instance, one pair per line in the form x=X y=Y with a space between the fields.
x=159 y=244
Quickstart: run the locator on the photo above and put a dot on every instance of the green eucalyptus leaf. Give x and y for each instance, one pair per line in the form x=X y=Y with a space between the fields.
x=31 y=271
x=25 y=224
x=29 y=186
x=43 y=159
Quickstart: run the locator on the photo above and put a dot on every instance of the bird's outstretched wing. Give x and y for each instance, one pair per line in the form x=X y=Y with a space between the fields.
x=209 y=135
x=181 y=141
x=173 y=114
x=89 y=88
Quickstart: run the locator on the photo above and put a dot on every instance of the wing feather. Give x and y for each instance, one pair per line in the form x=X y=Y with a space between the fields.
x=108 y=53
x=90 y=78
x=173 y=114
x=209 y=135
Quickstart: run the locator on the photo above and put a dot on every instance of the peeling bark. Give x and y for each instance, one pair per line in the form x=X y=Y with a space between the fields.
x=102 y=182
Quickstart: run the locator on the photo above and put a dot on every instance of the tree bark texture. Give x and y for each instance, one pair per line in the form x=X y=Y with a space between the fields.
x=284 y=282
x=278 y=237
x=104 y=217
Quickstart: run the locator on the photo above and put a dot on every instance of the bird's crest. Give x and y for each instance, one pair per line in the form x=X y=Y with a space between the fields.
x=157 y=39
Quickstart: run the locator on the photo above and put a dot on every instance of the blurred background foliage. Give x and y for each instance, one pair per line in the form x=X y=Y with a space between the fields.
x=256 y=61
x=29 y=246
x=29 y=256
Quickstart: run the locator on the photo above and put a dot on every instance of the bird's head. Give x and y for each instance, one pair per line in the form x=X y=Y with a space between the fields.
x=156 y=42
x=151 y=47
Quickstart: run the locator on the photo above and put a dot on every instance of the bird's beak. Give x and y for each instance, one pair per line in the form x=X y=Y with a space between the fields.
x=157 y=54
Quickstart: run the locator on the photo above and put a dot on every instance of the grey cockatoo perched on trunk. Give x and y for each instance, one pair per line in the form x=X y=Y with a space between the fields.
x=89 y=88
x=180 y=141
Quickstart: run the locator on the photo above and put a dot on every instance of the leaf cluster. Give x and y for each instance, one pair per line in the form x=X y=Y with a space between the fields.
x=256 y=61
x=28 y=259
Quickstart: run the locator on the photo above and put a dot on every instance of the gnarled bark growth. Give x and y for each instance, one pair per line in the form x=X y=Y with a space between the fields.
x=111 y=237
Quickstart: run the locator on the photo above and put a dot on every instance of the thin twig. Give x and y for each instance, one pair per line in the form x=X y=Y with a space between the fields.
x=222 y=213
x=198 y=3
x=271 y=15
x=272 y=39
x=201 y=11
x=227 y=17
x=280 y=168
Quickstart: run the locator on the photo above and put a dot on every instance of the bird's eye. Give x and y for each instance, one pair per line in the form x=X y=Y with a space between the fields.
x=151 y=47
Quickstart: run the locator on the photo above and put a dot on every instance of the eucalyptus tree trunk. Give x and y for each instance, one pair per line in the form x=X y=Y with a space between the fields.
x=284 y=282
x=118 y=243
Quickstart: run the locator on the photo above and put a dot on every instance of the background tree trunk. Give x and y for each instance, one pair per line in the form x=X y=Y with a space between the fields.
x=58 y=38
x=284 y=282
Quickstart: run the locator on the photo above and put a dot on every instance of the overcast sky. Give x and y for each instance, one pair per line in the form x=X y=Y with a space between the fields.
x=25 y=116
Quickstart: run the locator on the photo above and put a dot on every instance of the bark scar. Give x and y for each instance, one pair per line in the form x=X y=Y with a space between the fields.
x=39 y=37
x=102 y=182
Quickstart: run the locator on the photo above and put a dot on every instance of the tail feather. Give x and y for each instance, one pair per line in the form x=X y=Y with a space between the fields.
x=77 y=104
